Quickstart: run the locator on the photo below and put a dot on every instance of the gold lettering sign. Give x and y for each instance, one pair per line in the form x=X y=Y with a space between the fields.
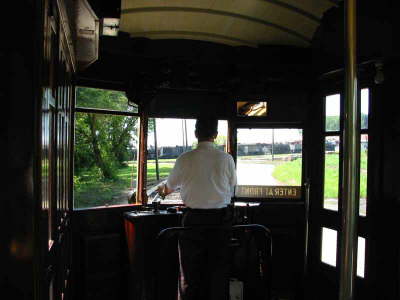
x=259 y=191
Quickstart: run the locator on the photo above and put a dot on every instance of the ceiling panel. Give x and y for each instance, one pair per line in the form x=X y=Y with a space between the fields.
x=250 y=22
x=314 y=7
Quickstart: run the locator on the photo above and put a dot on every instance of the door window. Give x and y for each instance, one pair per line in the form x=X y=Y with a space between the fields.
x=269 y=162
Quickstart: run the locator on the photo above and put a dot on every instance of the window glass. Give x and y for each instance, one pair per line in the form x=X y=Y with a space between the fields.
x=361 y=257
x=332 y=113
x=105 y=159
x=329 y=246
x=363 y=174
x=268 y=157
x=251 y=109
x=364 y=108
x=171 y=138
x=331 y=173
x=103 y=99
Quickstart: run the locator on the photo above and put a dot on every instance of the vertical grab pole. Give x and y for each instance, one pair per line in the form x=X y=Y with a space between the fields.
x=141 y=194
x=230 y=140
x=307 y=223
x=351 y=153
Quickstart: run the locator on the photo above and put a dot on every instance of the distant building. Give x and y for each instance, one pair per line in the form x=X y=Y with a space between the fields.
x=364 y=142
x=172 y=151
x=253 y=149
x=296 y=146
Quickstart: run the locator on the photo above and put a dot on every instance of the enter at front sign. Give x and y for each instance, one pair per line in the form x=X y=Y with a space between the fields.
x=259 y=191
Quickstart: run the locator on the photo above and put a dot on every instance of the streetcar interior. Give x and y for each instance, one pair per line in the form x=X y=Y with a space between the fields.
x=121 y=84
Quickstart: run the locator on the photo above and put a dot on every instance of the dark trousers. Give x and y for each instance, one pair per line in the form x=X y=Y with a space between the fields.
x=204 y=255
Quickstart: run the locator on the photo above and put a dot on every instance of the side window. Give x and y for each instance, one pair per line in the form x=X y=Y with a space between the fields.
x=332 y=131
x=269 y=162
x=105 y=150
x=332 y=152
x=364 y=151
x=329 y=246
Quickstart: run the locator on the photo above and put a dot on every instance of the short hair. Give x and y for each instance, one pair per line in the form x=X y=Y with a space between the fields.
x=206 y=127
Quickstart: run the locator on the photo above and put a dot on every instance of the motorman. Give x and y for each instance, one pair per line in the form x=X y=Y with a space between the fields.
x=206 y=177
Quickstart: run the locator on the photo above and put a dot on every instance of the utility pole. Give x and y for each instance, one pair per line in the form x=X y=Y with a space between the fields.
x=156 y=149
x=183 y=134
x=272 y=145
x=186 y=141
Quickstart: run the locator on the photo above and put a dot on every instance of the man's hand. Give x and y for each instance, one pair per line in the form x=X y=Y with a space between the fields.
x=163 y=190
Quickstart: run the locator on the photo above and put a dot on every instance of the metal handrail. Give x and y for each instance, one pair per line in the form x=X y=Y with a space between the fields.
x=266 y=233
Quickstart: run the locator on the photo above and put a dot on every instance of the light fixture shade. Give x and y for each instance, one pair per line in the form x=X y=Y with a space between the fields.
x=110 y=26
x=87 y=34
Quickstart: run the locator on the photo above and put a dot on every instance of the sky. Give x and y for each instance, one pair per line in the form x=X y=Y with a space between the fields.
x=333 y=103
x=170 y=133
x=253 y=136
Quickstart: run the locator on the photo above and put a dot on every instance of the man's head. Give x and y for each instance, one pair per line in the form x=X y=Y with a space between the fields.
x=206 y=128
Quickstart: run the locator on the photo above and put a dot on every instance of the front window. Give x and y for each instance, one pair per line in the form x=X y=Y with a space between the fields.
x=167 y=139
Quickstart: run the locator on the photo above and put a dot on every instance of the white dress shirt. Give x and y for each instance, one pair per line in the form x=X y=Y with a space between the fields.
x=206 y=177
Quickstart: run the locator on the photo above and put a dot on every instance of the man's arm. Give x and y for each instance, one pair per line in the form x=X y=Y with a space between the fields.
x=173 y=181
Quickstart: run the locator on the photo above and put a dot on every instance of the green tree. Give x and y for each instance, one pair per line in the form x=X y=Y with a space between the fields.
x=220 y=140
x=103 y=141
x=364 y=121
x=104 y=99
x=332 y=123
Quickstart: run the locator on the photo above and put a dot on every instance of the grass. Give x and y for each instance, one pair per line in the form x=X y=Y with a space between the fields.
x=290 y=173
x=164 y=168
x=264 y=156
x=91 y=190
x=331 y=177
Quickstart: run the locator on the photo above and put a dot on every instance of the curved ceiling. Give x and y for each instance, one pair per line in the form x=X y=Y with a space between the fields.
x=231 y=22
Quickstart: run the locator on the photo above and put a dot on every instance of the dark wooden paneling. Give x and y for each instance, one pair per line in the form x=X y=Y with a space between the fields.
x=384 y=209
x=286 y=222
x=55 y=139
x=100 y=253
x=19 y=212
x=381 y=256
x=104 y=271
